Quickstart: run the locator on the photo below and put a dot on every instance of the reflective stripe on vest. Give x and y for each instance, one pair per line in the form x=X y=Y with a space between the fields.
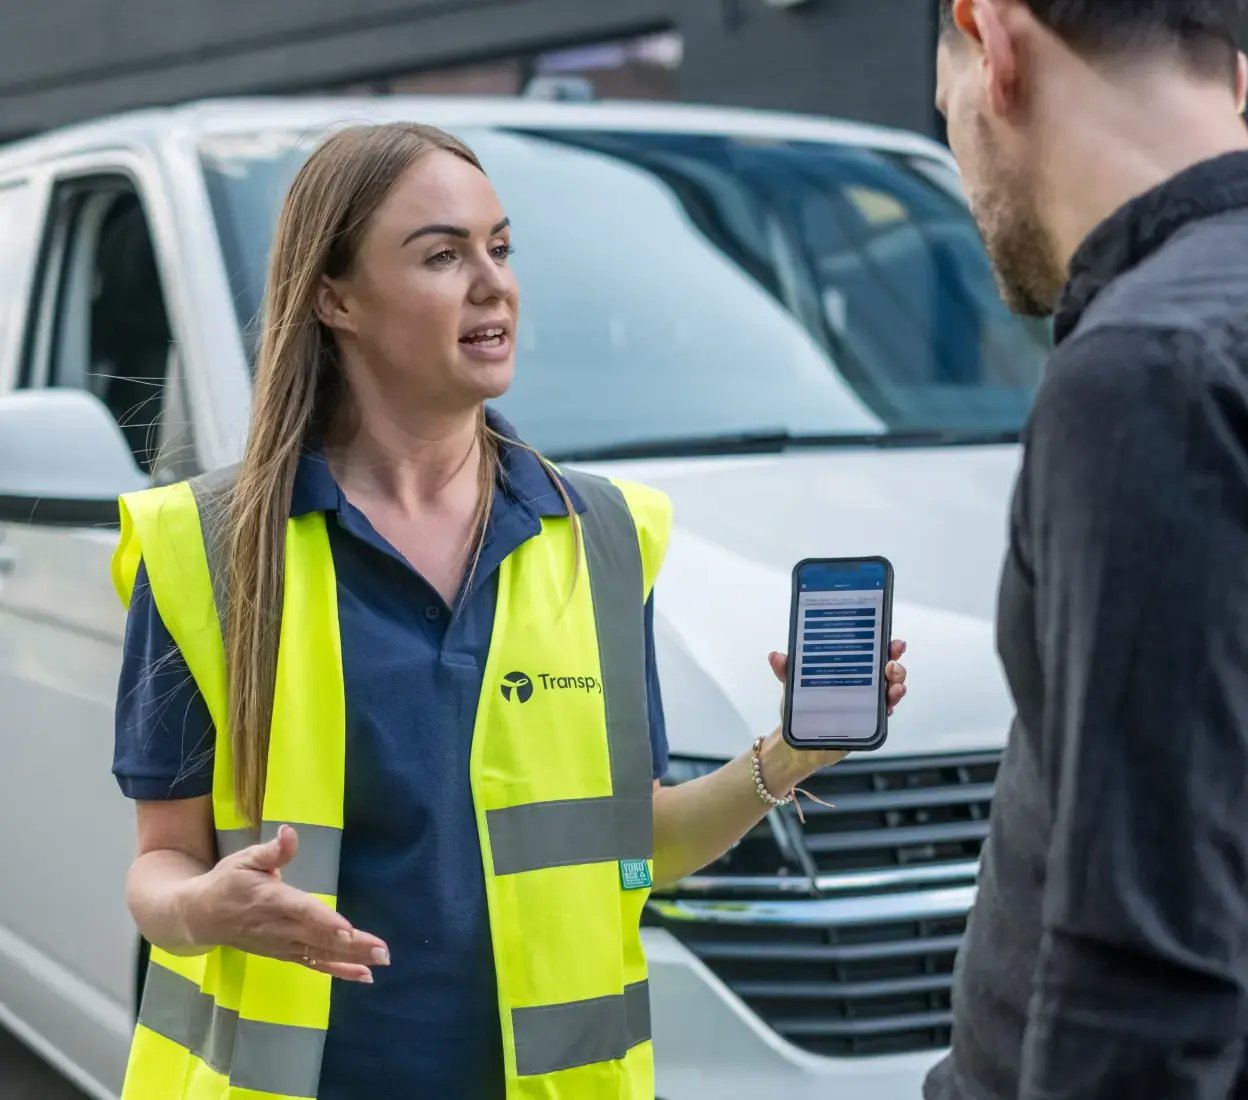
x=270 y=1058
x=573 y=994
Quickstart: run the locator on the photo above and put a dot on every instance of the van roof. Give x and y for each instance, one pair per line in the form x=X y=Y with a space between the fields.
x=153 y=126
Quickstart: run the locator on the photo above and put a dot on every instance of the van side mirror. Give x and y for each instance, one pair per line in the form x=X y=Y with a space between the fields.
x=63 y=460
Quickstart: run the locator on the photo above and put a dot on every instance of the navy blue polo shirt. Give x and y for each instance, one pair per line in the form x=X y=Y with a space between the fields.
x=411 y=868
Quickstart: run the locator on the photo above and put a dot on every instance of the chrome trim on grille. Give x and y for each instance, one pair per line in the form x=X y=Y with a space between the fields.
x=752 y=886
x=920 y=875
x=823 y=912
x=858 y=882
x=827 y=953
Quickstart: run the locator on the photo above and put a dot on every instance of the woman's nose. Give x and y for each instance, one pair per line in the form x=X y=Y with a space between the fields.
x=492 y=281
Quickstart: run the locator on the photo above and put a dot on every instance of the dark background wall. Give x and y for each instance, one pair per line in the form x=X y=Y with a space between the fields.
x=65 y=60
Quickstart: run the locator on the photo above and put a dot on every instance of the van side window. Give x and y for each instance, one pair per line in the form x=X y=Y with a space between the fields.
x=16 y=199
x=108 y=330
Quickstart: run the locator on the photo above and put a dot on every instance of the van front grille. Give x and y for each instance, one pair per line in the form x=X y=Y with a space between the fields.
x=899 y=814
x=847 y=948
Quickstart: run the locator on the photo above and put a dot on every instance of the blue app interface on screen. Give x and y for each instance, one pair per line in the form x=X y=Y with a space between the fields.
x=840 y=613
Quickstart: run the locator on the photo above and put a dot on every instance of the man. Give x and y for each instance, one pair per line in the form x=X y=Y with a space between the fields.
x=1107 y=165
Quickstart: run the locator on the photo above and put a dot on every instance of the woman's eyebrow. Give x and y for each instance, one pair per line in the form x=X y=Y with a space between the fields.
x=450 y=231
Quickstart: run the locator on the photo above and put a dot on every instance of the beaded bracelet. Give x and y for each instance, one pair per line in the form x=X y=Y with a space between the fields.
x=756 y=766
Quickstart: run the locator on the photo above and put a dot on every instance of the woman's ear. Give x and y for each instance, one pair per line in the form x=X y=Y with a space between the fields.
x=331 y=305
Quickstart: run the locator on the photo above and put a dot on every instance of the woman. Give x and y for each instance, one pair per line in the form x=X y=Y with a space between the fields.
x=464 y=846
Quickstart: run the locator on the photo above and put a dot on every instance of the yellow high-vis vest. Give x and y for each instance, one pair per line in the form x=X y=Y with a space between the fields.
x=561 y=780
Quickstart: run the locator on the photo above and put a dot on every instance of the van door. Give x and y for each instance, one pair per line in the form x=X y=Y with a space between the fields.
x=19 y=213
x=98 y=323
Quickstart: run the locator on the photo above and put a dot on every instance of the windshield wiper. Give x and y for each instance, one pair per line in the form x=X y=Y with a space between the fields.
x=931 y=437
x=766 y=441
x=776 y=440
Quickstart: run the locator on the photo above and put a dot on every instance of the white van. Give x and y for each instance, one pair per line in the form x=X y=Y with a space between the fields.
x=787 y=324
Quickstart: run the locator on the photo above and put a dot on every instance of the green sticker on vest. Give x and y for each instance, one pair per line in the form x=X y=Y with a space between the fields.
x=634 y=874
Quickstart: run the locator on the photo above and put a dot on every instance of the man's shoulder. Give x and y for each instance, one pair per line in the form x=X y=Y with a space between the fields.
x=1135 y=374
x=1112 y=359
x=1182 y=313
x=1195 y=286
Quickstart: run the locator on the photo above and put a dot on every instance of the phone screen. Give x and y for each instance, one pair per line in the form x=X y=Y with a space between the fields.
x=840 y=611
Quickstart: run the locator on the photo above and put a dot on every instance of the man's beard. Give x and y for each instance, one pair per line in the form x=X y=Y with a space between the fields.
x=1028 y=275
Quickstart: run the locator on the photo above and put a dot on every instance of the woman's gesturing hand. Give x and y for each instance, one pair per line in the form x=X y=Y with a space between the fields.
x=243 y=903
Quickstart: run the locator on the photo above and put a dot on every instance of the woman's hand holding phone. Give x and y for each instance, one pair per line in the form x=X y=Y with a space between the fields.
x=894 y=674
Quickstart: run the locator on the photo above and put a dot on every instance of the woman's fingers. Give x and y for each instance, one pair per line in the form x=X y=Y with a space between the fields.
x=347 y=972
x=779 y=665
x=354 y=946
x=894 y=673
x=331 y=934
x=780 y=669
x=364 y=951
x=273 y=855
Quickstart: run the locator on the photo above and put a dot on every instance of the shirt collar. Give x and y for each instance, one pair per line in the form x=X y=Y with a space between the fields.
x=1140 y=228
x=523 y=478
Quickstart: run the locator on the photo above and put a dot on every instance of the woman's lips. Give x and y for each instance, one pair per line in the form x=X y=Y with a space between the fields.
x=490 y=344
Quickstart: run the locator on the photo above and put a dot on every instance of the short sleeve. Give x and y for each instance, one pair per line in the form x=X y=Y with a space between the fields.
x=654 y=698
x=164 y=739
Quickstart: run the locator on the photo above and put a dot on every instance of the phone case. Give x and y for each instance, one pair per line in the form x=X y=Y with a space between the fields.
x=881 y=728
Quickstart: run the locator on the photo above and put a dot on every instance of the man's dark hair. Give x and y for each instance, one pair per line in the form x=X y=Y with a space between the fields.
x=1207 y=32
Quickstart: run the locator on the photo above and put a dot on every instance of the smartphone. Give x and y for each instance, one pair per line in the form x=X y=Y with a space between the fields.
x=840 y=625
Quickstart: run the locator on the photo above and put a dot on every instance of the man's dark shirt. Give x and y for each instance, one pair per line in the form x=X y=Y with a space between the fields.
x=1107 y=954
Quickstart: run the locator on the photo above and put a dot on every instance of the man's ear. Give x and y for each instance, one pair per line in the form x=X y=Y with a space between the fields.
x=1241 y=81
x=964 y=19
x=997 y=30
x=985 y=26
x=331 y=305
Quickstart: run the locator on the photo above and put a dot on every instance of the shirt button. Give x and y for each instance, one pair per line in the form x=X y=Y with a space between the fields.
x=432 y=613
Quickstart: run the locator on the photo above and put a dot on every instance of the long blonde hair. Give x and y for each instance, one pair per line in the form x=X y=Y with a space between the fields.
x=298 y=386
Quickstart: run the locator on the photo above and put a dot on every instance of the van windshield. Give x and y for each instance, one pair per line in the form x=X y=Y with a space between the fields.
x=684 y=292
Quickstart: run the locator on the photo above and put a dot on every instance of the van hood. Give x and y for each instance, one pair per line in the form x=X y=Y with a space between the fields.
x=742 y=523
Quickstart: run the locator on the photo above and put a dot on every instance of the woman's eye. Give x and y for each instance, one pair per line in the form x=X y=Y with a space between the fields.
x=502 y=252
x=446 y=256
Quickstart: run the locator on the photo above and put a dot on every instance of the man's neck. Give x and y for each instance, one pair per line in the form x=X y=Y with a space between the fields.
x=1125 y=139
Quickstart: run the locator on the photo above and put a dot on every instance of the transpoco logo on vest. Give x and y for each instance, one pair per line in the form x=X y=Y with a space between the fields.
x=519 y=685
